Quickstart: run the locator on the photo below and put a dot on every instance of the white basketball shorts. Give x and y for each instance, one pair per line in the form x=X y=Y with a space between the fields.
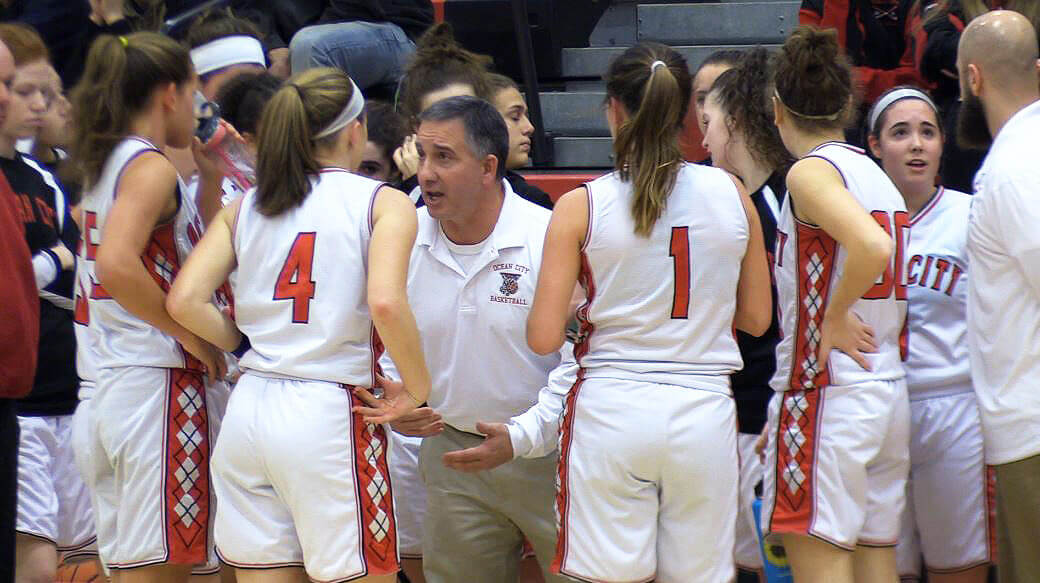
x=950 y=514
x=837 y=462
x=148 y=437
x=747 y=555
x=409 y=493
x=647 y=483
x=53 y=501
x=303 y=481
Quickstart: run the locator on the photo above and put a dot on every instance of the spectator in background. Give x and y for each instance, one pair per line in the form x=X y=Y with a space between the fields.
x=68 y=28
x=54 y=513
x=223 y=46
x=241 y=101
x=937 y=35
x=1001 y=107
x=387 y=132
x=19 y=335
x=369 y=39
x=507 y=99
x=704 y=77
x=874 y=35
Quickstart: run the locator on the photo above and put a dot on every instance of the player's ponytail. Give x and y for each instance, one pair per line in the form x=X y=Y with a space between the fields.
x=652 y=83
x=287 y=137
x=119 y=79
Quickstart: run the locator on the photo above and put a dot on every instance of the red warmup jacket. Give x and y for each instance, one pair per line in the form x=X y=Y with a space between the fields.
x=854 y=21
x=19 y=302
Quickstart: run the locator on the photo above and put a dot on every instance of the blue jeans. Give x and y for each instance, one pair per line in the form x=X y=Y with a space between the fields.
x=372 y=53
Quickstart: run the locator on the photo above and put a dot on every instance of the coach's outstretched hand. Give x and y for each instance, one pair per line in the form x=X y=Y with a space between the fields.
x=496 y=450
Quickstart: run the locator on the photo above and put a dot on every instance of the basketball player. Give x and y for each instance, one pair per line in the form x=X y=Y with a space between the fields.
x=54 y=514
x=648 y=472
x=997 y=66
x=741 y=138
x=320 y=260
x=837 y=458
x=949 y=506
x=152 y=416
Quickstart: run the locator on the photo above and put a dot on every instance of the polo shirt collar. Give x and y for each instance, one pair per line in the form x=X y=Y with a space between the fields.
x=510 y=230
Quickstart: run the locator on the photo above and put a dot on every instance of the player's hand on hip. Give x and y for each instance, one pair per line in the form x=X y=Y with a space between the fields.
x=212 y=358
x=496 y=450
x=847 y=333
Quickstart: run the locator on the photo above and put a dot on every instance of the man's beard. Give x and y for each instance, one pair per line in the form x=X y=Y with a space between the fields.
x=972 y=130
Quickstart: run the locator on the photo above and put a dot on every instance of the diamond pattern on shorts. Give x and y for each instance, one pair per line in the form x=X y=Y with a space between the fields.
x=187 y=462
x=795 y=450
x=376 y=502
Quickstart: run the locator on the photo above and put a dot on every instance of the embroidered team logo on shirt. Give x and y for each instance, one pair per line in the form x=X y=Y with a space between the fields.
x=510 y=284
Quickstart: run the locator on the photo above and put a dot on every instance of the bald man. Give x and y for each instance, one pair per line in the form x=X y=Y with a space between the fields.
x=997 y=65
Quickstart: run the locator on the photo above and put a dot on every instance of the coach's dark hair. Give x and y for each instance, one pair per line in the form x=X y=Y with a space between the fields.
x=743 y=93
x=286 y=147
x=646 y=145
x=813 y=80
x=243 y=97
x=486 y=132
x=118 y=82
x=438 y=62
x=728 y=57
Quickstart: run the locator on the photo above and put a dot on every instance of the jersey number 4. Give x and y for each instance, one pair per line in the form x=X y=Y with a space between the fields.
x=679 y=251
x=294 y=280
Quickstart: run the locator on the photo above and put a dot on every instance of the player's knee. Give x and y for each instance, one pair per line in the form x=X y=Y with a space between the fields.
x=38 y=573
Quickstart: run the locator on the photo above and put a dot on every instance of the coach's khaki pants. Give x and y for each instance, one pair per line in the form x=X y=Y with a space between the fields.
x=475 y=523
x=1018 y=521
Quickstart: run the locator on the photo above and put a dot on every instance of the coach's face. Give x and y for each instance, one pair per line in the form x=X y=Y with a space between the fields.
x=451 y=176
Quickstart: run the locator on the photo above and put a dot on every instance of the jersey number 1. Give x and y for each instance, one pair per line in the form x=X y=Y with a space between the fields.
x=294 y=280
x=679 y=251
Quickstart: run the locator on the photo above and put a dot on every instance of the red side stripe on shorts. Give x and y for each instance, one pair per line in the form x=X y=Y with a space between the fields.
x=562 y=490
x=991 y=513
x=186 y=484
x=375 y=502
x=581 y=348
x=795 y=460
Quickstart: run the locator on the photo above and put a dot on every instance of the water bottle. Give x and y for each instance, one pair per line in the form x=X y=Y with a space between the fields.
x=774 y=559
x=239 y=163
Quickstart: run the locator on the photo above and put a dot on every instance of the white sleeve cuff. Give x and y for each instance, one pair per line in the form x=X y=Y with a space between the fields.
x=46 y=266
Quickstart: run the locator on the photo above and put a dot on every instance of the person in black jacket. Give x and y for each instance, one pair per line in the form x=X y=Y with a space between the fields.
x=507 y=99
x=54 y=513
x=742 y=139
x=371 y=40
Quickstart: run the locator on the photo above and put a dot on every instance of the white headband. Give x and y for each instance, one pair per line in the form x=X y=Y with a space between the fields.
x=227 y=51
x=893 y=96
x=353 y=109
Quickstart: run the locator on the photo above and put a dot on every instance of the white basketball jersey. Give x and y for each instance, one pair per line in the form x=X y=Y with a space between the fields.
x=300 y=287
x=937 y=290
x=809 y=262
x=86 y=349
x=122 y=338
x=660 y=308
